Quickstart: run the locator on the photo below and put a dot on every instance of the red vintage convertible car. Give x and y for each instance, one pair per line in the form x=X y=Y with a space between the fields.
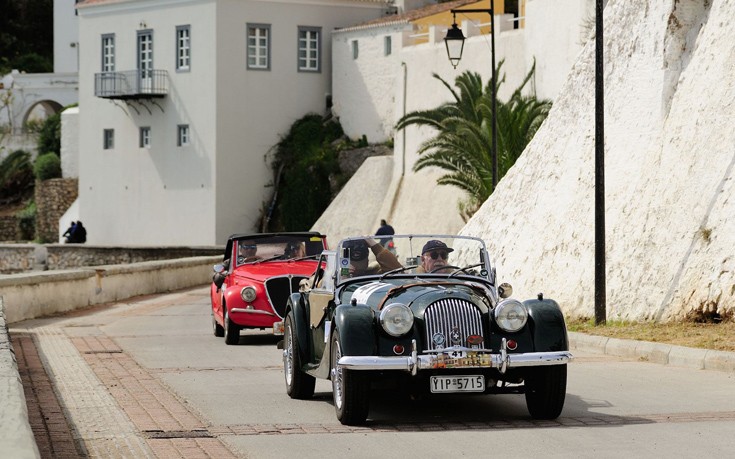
x=258 y=274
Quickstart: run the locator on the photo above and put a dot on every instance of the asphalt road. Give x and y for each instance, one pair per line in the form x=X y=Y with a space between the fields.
x=147 y=378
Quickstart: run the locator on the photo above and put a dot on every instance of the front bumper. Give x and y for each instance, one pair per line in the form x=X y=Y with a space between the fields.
x=465 y=358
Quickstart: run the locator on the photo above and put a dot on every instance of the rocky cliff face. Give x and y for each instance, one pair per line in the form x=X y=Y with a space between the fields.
x=670 y=151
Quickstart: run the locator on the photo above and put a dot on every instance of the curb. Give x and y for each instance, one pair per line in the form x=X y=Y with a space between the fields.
x=664 y=354
x=16 y=435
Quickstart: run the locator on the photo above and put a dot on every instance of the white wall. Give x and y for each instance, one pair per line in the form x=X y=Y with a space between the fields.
x=165 y=194
x=70 y=143
x=555 y=33
x=215 y=187
x=66 y=37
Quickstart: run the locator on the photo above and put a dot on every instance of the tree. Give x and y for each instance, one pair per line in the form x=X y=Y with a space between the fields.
x=462 y=144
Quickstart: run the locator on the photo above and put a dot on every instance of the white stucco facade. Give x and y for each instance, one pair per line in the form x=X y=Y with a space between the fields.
x=66 y=37
x=202 y=192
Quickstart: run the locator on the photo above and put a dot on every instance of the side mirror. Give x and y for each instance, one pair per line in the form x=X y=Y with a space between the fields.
x=505 y=290
x=219 y=275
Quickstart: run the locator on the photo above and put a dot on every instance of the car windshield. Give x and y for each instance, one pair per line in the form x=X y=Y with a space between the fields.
x=279 y=247
x=429 y=255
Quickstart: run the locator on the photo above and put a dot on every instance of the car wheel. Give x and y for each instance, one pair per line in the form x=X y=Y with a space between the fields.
x=298 y=384
x=218 y=329
x=232 y=331
x=546 y=388
x=350 y=388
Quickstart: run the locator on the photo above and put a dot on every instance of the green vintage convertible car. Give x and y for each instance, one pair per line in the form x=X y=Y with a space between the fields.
x=431 y=316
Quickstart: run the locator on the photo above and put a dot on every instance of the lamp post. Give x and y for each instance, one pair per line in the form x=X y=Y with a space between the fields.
x=454 y=41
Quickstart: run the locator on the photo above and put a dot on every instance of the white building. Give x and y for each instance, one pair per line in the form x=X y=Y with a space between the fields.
x=180 y=103
x=384 y=69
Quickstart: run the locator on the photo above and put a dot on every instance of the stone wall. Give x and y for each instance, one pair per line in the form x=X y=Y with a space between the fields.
x=18 y=258
x=61 y=256
x=53 y=197
x=8 y=228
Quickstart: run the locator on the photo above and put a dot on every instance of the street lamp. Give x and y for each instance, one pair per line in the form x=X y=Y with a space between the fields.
x=454 y=41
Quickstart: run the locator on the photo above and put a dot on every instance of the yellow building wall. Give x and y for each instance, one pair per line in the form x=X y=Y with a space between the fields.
x=445 y=19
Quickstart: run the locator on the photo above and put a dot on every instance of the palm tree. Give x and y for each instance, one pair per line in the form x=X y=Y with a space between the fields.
x=462 y=143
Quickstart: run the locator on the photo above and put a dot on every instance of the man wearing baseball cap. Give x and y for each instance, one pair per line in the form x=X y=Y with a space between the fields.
x=434 y=255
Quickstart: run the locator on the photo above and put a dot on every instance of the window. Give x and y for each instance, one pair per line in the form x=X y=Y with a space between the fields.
x=145 y=137
x=108 y=53
x=355 y=49
x=108 y=136
x=183 y=48
x=183 y=135
x=145 y=60
x=309 y=49
x=259 y=46
x=387 y=46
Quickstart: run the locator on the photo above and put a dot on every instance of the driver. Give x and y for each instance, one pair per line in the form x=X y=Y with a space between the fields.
x=246 y=251
x=434 y=255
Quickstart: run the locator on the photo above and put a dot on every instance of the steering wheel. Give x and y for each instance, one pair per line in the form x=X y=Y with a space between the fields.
x=439 y=268
x=464 y=270
x=397 y=270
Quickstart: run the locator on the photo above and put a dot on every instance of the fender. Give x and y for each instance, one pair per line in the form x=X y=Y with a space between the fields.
x=548 y=329
x=355 y=327
x=296 y=309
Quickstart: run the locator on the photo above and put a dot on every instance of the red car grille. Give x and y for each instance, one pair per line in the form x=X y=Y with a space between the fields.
x=453 y=321
x=279 y=289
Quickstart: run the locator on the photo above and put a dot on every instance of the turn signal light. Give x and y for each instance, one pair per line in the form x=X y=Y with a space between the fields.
x=398 y=349
x=512 y=345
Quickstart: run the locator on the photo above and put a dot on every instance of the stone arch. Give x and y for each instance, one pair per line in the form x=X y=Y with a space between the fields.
x=41 y=110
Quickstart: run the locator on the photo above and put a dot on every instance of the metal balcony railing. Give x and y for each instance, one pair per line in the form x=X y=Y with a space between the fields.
x=131 y=84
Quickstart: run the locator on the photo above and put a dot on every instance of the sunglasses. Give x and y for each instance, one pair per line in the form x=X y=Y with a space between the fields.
x=251 y=247
x=435 y=255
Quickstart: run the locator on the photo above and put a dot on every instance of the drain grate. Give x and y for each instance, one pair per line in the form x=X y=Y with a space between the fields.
x=177 y=434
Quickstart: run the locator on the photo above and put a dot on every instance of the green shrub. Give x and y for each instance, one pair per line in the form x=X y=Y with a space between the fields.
x=49 y=135
x=47 y=166
x=16 y=174
x=306 y=159
x=27 y=222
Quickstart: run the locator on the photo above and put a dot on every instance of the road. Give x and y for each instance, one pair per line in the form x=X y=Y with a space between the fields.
x=147 y=378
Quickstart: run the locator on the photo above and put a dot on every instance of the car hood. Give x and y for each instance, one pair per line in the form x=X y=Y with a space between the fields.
x=263 y=271
x=416 y=295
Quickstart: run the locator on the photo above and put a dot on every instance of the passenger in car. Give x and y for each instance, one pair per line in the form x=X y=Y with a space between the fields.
x=295 y=249
x=434 y=255
x=359 y=257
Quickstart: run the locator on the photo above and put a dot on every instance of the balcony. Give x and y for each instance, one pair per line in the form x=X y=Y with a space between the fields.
x=131 y=84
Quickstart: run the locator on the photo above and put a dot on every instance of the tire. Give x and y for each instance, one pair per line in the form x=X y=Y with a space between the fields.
x=232 y=331
x=219 y=330
x=350 y=389
x=299 y=385
x=546 y=388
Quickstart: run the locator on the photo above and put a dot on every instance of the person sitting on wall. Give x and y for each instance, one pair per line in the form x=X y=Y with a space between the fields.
x=69 y=230
x=77 y=234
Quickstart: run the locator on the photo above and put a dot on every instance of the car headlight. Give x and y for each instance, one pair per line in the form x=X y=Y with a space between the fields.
x=248 y=294
x=396 y=319
x=511 y=315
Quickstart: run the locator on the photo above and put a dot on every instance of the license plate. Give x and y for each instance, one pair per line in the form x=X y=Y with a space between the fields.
x=459 y=383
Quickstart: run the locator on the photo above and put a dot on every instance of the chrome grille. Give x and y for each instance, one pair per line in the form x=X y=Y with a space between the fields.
x=450 y=315
x=279 y=289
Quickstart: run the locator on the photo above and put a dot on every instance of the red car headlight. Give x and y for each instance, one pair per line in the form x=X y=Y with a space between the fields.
x=248 y=294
